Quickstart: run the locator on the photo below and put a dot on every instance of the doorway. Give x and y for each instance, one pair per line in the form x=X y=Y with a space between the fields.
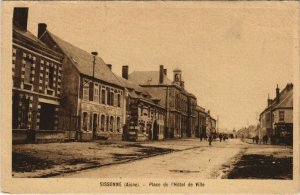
x=47 y=116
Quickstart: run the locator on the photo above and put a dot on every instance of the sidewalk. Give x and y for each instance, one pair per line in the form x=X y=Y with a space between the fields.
x=52 y=159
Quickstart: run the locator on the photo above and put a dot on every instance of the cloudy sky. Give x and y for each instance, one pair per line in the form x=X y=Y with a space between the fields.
x=231 y=54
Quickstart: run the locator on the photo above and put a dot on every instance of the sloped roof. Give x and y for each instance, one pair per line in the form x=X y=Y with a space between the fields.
x=286 y=102
x=147 y=78
x=83 y=61
x=27 y=34
x=285 y=99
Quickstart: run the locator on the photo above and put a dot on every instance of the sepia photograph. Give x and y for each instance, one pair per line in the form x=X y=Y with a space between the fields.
x=154 y=95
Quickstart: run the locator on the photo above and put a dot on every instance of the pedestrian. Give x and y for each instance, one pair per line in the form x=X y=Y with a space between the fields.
x=201 y=137
x=253 y=139
x=210 y=140
x=256 y=139
x=220 y=137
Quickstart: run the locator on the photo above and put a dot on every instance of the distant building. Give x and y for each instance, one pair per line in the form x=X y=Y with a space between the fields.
x=93 y=100
x=277 y=119
x=211 y=124
x=200 y=122
x=37 y=76
x=145 y=117
x=179 y=103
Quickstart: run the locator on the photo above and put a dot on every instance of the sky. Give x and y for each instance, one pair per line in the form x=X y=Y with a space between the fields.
x=232 y=55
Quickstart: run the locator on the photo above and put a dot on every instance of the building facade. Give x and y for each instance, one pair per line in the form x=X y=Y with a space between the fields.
x=178 y=103
x=93 y=101
x=276 y=120
x=37 y=76
x=145 y=117
x=200 y=122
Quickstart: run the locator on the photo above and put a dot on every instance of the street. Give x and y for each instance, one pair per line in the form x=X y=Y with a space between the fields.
x=208 y=162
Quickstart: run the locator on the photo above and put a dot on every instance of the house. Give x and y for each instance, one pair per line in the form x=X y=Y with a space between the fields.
x=178 y=103
x=37 y=81
x=276 y=120
x=92 y=99
x=145 y=117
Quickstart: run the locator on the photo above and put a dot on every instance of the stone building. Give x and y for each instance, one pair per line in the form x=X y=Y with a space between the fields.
x=145 y=117
x=36 y=92
x=178 y=103
x=93 y=101
x=276 y=120
x=200 y=122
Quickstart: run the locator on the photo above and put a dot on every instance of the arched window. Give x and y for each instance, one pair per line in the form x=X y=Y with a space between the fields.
x=107 y=123
x=111 y=124
x=102 y=122
x=118 y=124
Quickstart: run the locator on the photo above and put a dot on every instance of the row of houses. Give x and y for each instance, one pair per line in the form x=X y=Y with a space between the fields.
x=63 y=92
x=276 y=120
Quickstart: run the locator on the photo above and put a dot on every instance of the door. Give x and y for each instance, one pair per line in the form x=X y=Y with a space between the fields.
x=47 y=116
x=155 y=131
x=95 y=124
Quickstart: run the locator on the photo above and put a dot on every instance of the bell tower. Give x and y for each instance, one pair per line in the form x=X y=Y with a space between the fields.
x=178 y=77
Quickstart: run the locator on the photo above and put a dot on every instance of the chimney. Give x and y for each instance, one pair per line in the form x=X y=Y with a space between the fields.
x=269 y=100
x=109 y=66
x=165 y=72
x=161 y=74
x=42 y=27
x=125 y=69
x=277 y=93
x=20 y=17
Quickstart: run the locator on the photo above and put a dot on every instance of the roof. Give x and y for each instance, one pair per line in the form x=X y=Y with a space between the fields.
x=27 y=34
x=286 y=102
x=148 y=78
x=83 y=61
x=285 y=99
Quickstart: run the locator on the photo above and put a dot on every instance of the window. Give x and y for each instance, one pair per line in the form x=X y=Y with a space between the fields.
x=91 y=91
x=107 y=123
x=119 y=100
x=96 y=93
x=281 y=115
x=50 y=78
x=85 y=121
x=112 y=98
x=85 y=93
x=118 y=124
x=27 y=75
x=108 y=96
x=111 y=124
x=103 y=96
x=102 y=122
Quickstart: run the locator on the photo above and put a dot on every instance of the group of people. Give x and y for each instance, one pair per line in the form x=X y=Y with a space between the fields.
x=211 y=138
x=256 y=139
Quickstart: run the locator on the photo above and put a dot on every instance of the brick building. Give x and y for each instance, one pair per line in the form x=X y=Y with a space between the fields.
x=145 y=117
x=276 y=120
x=93 y=102
x=178 y=103
x=36 y=74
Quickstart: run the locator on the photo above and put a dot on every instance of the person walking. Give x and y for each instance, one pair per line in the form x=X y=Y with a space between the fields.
x=210 y=140
x=201 y=137
x=220 y=137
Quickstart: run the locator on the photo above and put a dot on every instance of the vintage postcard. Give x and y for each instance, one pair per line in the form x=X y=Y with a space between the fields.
x=150 y=97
